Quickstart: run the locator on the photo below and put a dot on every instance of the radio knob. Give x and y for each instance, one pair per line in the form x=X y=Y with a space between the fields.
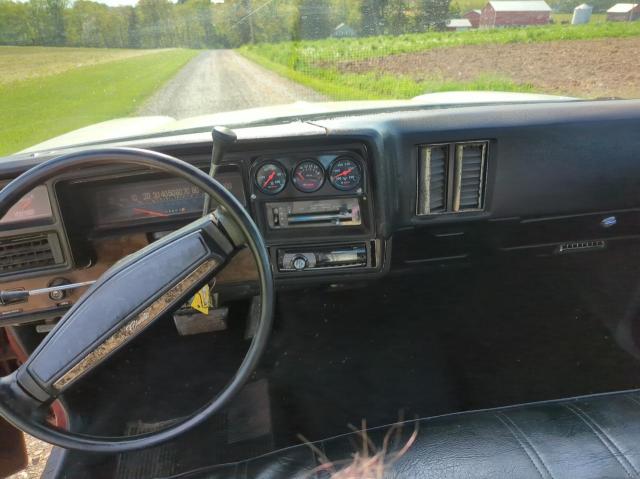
x=299 y=263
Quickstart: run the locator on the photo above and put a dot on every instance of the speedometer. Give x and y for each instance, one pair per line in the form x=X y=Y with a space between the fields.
x=137 y=199
x=345 y=174
x=150 y=200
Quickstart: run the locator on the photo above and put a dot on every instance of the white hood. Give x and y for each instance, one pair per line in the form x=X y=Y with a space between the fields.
x=149 y=125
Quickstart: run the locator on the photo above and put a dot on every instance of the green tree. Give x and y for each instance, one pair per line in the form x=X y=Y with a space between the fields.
x=396 y=16
x=373 y=16
x=346 y=11
x=134 y=29
x=315 y=19
x=156 y=23
x=56 y=31
x=432 y=14
x=14 y=23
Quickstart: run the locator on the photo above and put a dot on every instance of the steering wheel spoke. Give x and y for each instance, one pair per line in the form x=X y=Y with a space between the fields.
x=124 y=302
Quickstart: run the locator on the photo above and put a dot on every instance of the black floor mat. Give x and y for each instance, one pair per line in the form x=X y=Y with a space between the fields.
x=434 y=344
x=418 y=346
x=243 y=430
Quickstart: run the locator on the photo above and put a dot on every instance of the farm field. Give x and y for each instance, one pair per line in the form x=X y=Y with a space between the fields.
x=22 y=63
x=55 y=90
x=584 y=68
x=496 y=59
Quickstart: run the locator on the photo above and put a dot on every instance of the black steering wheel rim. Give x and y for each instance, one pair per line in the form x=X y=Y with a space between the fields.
x=37 y=175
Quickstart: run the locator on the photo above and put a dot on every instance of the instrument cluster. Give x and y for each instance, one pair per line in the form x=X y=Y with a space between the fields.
x=342 y=173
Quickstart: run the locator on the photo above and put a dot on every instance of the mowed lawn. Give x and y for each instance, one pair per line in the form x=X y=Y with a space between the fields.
x=333 y=66
x=51 y=91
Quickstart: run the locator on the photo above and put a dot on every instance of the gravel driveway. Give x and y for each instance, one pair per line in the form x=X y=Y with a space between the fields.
x=222 y=80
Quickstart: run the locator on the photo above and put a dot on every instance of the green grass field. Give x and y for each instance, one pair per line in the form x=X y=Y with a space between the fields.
x=313 y=63
x=22 y=63
x=99 y=85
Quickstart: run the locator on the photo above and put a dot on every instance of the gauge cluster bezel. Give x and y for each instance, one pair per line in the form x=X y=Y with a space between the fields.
x=258 y=201
x=290 y=163
x=329 y=173
x=298 y=170
x=257 y=183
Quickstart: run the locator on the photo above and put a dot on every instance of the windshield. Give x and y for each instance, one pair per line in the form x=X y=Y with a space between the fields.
x=69 y=64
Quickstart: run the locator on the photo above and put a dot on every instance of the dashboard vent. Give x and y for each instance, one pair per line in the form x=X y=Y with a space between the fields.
x=451 y=177
x=470 y=173
x=27 y=253
x=579 y=246
x=432 y=179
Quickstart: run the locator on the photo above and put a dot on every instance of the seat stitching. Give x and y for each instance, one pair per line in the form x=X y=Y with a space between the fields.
x=604 y=438
x=530 y=451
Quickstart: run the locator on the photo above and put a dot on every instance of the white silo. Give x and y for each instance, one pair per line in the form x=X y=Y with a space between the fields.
x=581 y=14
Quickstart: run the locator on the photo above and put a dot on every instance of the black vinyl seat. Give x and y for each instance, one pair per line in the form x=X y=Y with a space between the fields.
x=587 y=437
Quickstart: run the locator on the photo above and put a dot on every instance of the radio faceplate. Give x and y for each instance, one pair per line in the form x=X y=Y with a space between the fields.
x=323 y=257
x=318 y=213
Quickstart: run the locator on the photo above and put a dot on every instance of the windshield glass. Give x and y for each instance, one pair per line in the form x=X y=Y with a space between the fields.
x=70 y=64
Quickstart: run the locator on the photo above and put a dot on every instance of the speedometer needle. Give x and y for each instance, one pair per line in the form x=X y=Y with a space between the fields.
x=271 y=177
x=345 y=172
x=157 y=214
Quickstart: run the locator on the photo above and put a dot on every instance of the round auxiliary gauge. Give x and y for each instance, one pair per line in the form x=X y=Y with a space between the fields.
x=345 y=174
x=271 y=178
x=308 y=176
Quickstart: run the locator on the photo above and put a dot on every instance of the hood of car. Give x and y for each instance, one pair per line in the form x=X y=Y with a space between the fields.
x=122 y=128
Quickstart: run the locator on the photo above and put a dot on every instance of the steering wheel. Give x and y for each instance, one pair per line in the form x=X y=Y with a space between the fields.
x=130 y=296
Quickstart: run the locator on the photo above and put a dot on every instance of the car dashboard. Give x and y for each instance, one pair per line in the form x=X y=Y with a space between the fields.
x=347 y=199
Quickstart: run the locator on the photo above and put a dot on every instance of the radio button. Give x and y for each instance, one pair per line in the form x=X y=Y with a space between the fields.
x=299 y=263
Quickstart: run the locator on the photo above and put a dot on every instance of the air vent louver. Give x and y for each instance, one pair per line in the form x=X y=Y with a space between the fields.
x=451 y=177
x=469 y=186
x=433 y=174
x=26 y=253
x=581 y=246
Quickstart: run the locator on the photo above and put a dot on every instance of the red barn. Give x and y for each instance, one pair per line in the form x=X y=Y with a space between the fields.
x=624 y=12
x=500 y=13
x=474 y=17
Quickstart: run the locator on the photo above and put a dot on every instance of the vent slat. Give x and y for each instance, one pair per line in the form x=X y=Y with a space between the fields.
x=437 y=175
x=432 y=179
x=26 y=253
x=470 y=163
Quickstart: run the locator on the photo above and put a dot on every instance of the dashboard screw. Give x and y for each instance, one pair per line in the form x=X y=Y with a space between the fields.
x=56 y=295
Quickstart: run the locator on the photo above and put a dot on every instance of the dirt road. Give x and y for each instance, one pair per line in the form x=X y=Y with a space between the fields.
x=222 y=80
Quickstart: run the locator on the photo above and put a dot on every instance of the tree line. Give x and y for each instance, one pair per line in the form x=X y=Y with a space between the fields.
x=203 y=24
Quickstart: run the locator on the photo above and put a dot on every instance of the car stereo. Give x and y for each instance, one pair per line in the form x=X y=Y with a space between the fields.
x=323 y=257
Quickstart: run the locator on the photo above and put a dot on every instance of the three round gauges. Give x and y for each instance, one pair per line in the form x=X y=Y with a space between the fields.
x=309 y=175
